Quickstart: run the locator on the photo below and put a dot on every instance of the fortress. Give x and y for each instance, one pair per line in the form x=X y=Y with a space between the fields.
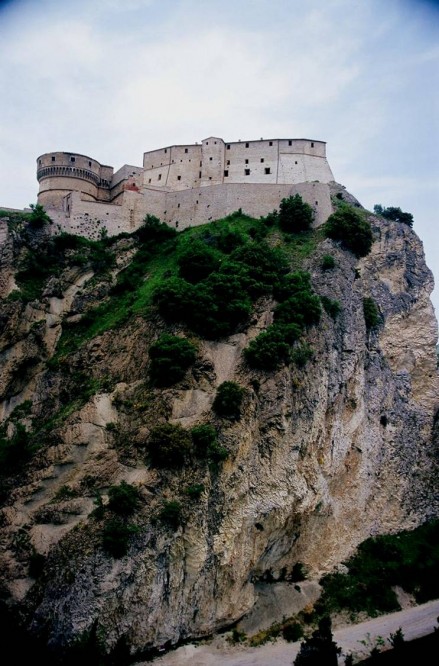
x=184 y=185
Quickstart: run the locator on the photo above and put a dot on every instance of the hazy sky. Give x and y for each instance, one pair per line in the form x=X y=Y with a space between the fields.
x=114 y=78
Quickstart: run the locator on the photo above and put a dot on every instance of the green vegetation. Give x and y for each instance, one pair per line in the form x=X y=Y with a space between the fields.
x=319 y=648
x=349 y=227
x=169 y=446
x=328 y=262
x=295 y=215
x=332 y=307
x=393 y=213
x=195 y=490
x=115 y=536
x=171 y=513
x=409 y=559
x=38 y=217
x=123 y=499
x=170 y=357
x=298 y=308
x=371 y=313
x=228 y=400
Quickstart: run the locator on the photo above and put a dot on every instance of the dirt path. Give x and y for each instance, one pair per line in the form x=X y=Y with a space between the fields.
x=415 y=622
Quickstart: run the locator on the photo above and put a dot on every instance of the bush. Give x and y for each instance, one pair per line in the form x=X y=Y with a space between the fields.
x=295 y=215
x=154 y=231
x=272 y=348
x=123 y=499
x=395 y=214
x=38 y=218
x=347 y=226
x=302 y=309
x=330 y=306
x=228 y=400
x=328 y=262
x=171 y=513
x=198 y=261
x=170 y=357
x=292 y=632
x=115 y=537
x=301 y=355
x=195 y=490
x=169 y=446
x=292 y=285
x=204 y=437
x=371 y=313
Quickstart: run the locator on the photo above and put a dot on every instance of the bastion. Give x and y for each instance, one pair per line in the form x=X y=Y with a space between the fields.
x=183 y=185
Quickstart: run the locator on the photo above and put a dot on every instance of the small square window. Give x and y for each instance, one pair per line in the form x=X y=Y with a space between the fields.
x=270 y=143
x=246 y=161
x=215 y=143
x=166 y=150
x=295 y=162
x=267 y=170
x=247 y=172
x=210 y=159
x=290 y=143
x=210 y=177
x=228 y=146
x=160 y=176
x=53 y=158
x=226 y=173
x=73 y=159
x=228 y=162
x=178 y=177
x=246 y=145
x=312 y=144
x=185 y=150
x=262 y=159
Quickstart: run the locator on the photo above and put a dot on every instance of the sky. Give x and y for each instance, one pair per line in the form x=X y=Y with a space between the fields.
x=112 y=79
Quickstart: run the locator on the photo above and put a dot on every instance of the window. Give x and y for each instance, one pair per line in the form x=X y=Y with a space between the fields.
x=210 y=177
x=228 y=162
x=176 y=224
x=160 y=176
x=247 y=172
x=226 y=173
x=72 y=159
x=207 y=143
x=317 y=203
x=312 y=144
x=290 y=143
x=39 y=162
x=166 y=150
x=178 y=177
x=149 y=180
x=270 y=143
x=53 y=158
x=89 y=164
x=246 y=145
x=210 y=159
x=215 y=143
x=228 y=146
x=246 y=161
x=295 y=162
x=262 y=159
x=267 y=170
x=201 y=163
x=185 y=150
x=178 y=205
x=199 y=174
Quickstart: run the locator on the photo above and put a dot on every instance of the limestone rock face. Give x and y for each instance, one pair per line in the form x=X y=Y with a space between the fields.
x=322 y=457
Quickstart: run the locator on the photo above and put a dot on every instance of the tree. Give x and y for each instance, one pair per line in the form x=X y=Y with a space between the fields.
x=319 y=649
x=295 y=215
x=348 y=226
x=169 y=445
x=228 y=400
x=38 y=218
x=371 y=313
x=170 y=357
x=123 y=499
x=394 y=213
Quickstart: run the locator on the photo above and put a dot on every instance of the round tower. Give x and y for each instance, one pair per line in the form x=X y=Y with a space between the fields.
x=61 y=173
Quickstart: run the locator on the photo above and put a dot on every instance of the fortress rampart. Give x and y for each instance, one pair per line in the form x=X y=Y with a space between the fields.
x=183 y=185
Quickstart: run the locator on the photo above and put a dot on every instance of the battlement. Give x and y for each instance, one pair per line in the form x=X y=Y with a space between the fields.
x=184 y=185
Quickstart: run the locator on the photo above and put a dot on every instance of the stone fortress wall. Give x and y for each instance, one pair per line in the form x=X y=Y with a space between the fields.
x=185 y=185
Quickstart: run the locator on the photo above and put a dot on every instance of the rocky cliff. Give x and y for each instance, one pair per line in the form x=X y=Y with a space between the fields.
x=322 y=456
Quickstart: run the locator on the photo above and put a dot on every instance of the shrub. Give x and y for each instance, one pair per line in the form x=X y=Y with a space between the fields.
x=395 y=214
x=291 y=285
x=295 y=215
x=204 y=437
x=347 y=226
x=123 y=499
x=38 y=218
x=228 y=399
x=195 y=490
x=115 y=537
x=272 y=348
x=328 y=262
x=332 y=307
x=302 y=309
x=170 y=357
x=198 y=261
x=371 y=313
x=171 y=513
x=154 y=231
x=301 y=355
x=169 y=446
x=292 y=632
